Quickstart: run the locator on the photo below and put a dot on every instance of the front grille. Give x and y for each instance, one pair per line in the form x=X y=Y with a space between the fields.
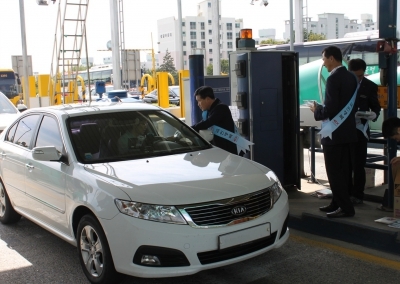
x=236 y=251
x=219 y=213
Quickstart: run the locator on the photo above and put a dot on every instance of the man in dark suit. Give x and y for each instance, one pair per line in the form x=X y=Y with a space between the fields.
x=218 y=114
x=367 y=101
x=337 y=114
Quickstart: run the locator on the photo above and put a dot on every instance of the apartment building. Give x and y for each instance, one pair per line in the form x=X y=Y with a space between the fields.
x=197 y=35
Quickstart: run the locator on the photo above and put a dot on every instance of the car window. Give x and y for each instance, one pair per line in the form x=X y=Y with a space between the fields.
x=130 y=135
x=25 y=129
x=175 y=90
x=49 y=134
x=11 y=132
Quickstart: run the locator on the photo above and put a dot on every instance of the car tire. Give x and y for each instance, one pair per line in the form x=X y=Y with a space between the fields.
x=7 y=213
x=94 y=253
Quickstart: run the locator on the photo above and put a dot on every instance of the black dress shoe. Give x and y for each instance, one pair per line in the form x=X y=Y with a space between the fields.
x=338 y=213
x=328 y=208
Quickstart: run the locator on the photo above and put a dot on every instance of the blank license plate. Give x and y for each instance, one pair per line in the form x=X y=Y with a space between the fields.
x=244 y=236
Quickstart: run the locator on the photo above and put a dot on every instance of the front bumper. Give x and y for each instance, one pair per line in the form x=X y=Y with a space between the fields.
x=200 y=247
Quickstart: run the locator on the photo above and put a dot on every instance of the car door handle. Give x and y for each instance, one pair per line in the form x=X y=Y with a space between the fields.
x=30 y=167
x=3 y=155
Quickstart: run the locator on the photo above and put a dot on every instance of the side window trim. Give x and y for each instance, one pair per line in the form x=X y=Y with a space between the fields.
x=34 y=130
x=64 y=151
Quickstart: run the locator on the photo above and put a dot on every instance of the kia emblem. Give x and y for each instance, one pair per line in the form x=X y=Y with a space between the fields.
x=238 y=210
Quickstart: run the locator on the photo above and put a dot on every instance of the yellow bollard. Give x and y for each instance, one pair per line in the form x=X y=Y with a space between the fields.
x=32 y=90
x=43 y=85
x=57 y=94
x=69 y=95
x=163 y=92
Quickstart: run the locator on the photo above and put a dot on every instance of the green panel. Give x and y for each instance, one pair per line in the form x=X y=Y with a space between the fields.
x=308 y=81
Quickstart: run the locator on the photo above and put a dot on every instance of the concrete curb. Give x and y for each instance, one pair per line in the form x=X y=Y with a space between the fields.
x=343 y=230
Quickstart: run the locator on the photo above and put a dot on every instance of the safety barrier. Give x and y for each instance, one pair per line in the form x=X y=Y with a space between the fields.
x=371 y=158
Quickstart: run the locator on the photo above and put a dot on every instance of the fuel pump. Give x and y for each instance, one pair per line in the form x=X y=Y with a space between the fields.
x=265 y=106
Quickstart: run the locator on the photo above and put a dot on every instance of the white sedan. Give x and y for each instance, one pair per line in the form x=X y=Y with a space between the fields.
x=170 y=205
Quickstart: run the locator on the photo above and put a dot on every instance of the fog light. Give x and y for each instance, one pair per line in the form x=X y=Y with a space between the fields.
x=150 y=260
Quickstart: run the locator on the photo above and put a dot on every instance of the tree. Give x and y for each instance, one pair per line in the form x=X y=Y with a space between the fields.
x=209 y=69
x=81 y=67
x=310 y=36
x=224 y=67
x=272 y=41
x=314 y=37
x=168 y=66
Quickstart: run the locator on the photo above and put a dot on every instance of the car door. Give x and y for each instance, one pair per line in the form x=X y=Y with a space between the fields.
x=13 y=157
x=46 y=180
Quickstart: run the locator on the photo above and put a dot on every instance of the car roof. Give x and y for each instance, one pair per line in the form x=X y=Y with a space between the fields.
x=86 y=108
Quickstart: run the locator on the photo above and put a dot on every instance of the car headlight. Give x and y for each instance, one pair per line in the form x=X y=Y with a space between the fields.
x=159 y=213
x=276 y=191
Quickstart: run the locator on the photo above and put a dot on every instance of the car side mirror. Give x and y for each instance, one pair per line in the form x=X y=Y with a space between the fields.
x=22 y=107
x=46 y=153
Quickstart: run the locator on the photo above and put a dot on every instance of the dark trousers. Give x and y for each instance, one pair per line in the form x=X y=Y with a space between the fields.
x=338 y=169
x=358 y=159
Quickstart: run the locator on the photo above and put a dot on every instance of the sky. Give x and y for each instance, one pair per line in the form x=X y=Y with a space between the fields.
x=140 y=21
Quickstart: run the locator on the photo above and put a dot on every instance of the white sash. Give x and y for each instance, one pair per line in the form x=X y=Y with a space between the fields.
x=367 y=116
x=241 y=143
x=328 y=126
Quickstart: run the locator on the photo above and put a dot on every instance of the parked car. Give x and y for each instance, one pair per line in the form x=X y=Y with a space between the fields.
x=170 y=205
x=174 y=98
x=95 y=96
x=8 y=112
x=110 y=88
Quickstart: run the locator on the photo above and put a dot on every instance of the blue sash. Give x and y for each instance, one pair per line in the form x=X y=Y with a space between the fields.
x=241 y=143
x=328 y=126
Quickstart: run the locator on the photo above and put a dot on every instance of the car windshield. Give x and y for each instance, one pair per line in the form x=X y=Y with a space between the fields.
x=6 y=106
x=130 y=135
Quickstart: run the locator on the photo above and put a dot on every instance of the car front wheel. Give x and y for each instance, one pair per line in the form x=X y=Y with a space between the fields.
x=94 y=252
x=7 y=213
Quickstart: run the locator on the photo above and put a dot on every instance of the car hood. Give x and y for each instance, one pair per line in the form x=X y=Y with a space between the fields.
x=185 y=178
x=6 y=119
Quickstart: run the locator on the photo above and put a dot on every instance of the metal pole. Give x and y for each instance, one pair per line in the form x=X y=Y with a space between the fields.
x=180 y=46
x=87 y=71
x=291 y=25
x=115 y=45
x=215 y=37
x=312 y=150
x=24 y=52
x=298 y=9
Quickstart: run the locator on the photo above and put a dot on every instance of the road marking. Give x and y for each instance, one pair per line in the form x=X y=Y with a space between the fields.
x=349 y=252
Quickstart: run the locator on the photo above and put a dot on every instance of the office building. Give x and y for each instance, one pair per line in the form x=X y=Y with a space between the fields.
x=335 y=25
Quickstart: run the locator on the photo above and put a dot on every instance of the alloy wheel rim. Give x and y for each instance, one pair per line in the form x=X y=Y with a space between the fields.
x=2 y=201
x=92 y=251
